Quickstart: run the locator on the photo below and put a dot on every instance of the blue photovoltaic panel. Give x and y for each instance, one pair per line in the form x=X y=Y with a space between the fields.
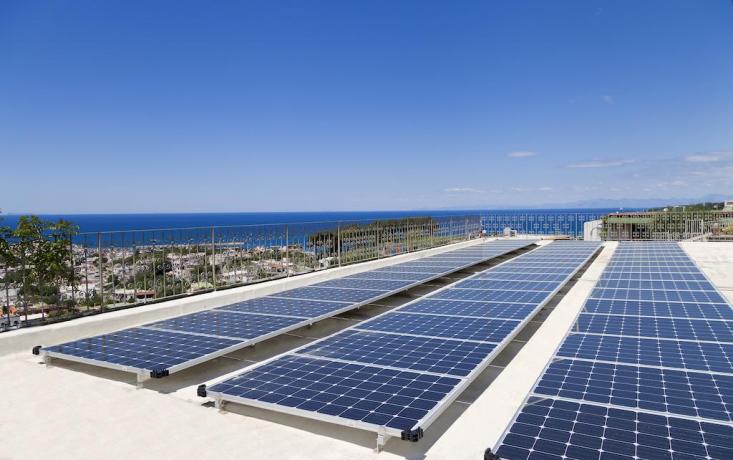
x=144 y=348
x=454 y=357
x=655 y=284
x=653 y=352
x=508 y=285
x=352 y=283
x=521 y=276
x=286 y=307
x=389 y=276
x=654 y=276
x=696 y=394
x=322 y=293
x=189 y=339
x=655 y=337
x=555 y=429
x=430 y=336
x=670 y=328
x=470 y=309
x=400 y=269
x=658 y=295
x=227 y=324
x=660 y=309
x=481 y=329
x=492 y=296
x=375 y=395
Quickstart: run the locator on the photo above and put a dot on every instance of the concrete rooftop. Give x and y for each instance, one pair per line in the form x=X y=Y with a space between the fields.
x=73 y=410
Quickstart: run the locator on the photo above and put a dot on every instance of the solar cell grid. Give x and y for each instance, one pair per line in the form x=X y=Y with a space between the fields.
x=701 y=356
x=322 y=293
x=556 y=429
x=276 y=306
x=227 y=324
x=682 y=329
x=658 y=295
x=480 y=329
x=507 y=285
x=143 y=348
x=374 y=395
x=470 y=309
x=694 y=394
x=620 y=275
x=380 y=285
x=649 y=284
x=435 y=355
x=379 y=275
x=492 y=296
x=660 y=309
x=521 y=276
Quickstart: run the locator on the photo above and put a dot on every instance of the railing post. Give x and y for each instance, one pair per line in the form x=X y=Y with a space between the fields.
x=287 y=250
x=101 y=274
x=378 y=241
x=338 y=242
x=213 y=257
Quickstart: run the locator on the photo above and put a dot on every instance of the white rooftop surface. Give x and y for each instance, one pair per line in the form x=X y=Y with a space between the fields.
x=77 y=411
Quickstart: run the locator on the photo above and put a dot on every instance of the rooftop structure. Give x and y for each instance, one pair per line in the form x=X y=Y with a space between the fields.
x=93 y=411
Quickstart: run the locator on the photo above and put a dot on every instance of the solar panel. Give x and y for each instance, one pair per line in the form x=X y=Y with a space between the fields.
x=373 y=395
x=455 y=327
x=164 y=347
x=660 y=309
x=470 y=309
x=431 y=337
x=355 y=283
x=286 y=307
x=695 y=394
x=454 y=357
x=645 y=372
x=558 y=429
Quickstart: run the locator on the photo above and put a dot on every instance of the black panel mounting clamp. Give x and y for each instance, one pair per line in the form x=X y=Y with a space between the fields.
x=201 y=391
x=412 y=435
x=37 y=350
x=159 y=371
x=489 y=455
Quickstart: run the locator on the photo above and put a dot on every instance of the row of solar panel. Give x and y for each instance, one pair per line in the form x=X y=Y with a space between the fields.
x=396 y=369
x=651 y=358
x=170 y=345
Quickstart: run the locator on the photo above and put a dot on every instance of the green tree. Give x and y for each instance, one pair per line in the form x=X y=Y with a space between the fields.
x=44 y=252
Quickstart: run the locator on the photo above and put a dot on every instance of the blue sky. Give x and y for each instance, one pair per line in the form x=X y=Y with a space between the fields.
x=125 y=106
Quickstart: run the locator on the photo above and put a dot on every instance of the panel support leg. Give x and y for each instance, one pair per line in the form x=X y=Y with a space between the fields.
x=141 y=377
x=220 y=405
x=382 y=438
x=47 y=361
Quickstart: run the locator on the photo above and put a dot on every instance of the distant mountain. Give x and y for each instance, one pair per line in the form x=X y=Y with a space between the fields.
x=640 y=202
x=603 y=203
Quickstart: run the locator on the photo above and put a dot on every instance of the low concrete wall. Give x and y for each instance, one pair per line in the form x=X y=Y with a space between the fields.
x=24 y=339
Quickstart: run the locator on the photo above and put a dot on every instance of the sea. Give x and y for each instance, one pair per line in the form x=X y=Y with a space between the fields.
x=115 y=222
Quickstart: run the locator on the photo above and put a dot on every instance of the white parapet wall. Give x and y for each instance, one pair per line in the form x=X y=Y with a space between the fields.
x=24 y=339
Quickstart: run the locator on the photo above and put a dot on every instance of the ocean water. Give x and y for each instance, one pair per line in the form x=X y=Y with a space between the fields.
x=112 y=222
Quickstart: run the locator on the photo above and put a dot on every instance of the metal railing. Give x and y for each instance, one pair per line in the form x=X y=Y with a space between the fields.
x=539 y=223
x=674 y=225
x=121 y=269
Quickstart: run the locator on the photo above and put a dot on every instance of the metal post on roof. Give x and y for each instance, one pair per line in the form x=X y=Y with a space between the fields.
x=378 y=240
x=213 y=257
x=101 y=277
x=287 y=250
x=338 y=242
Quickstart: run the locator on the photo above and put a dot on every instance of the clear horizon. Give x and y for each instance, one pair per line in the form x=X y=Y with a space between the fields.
x=189 y=107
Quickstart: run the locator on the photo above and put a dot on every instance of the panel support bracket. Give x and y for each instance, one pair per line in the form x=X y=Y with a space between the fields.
x=382 y=438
